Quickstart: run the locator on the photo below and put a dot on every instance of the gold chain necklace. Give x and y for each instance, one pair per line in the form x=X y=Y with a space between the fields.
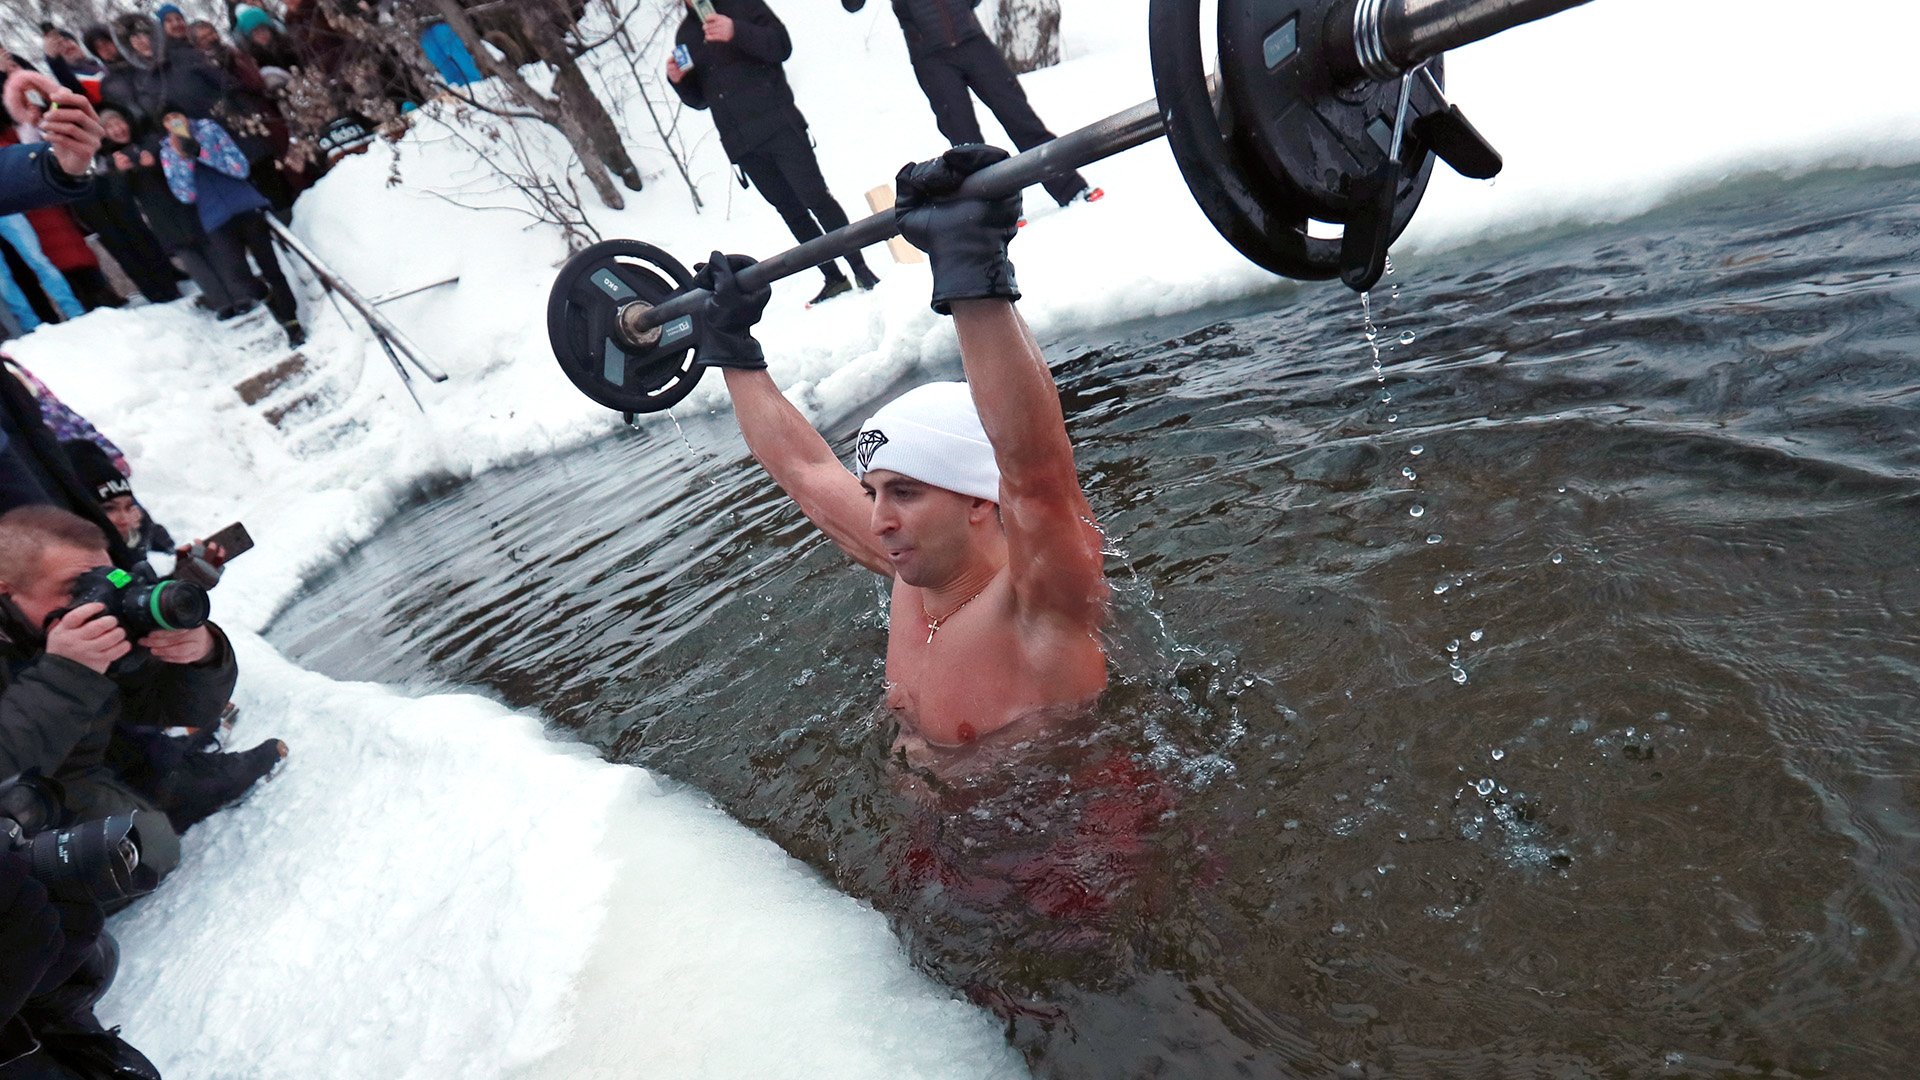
x=933 y=624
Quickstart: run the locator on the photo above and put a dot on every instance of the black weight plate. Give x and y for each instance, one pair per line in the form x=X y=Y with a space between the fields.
x=1252 y=213
x=583 y=327
x=1306 y=140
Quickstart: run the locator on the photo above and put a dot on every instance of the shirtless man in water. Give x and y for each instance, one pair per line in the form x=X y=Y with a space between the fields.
x=964 y=494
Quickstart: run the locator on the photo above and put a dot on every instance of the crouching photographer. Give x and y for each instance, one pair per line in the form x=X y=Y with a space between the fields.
x=86 y=649
x=56 y=958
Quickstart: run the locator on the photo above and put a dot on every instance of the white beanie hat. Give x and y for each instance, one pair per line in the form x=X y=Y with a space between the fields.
x=932 y=433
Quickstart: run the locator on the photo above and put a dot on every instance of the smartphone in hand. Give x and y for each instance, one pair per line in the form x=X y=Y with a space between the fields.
x=683 y=56
x=229 y=542
x=704 y=9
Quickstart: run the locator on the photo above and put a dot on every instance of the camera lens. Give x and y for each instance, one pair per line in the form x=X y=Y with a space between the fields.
x=169 y=605
x=100 y=857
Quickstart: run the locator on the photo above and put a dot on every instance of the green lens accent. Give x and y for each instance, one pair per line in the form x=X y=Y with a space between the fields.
x=120 y=578
x=153 y=607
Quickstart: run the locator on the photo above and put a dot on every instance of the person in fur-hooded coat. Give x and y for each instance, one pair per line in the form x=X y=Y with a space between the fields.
x=164 y=73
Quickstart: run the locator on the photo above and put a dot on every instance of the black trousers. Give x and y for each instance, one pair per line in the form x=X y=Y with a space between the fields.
x=947 y=74
x=787 y=174
x=139 y=254
x=229 y=247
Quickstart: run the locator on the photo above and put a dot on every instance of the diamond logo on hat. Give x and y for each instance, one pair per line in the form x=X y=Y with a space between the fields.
x=870 y=443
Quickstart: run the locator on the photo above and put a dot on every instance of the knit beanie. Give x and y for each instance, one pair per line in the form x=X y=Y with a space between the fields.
x=96 y=469
x=932 y=433
x=248 y=19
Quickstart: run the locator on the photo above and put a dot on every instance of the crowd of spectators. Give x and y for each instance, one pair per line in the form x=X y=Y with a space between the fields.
x=207 y=132
x=111 y=737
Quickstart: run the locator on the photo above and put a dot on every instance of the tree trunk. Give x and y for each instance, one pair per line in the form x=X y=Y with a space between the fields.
x=549 y=110
x=546 y=33
x=1028 y=32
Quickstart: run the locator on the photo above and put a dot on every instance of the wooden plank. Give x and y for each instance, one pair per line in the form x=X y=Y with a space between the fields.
x=881 y=198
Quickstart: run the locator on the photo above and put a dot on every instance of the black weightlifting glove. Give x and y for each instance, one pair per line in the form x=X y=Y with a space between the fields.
x=30 y=936
x=965 y=238
x=726 y=322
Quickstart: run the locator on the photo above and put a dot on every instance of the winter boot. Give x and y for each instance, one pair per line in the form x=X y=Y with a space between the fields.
x=863 y=274
x=205 y=783
x=296 y=334
x=837 y=285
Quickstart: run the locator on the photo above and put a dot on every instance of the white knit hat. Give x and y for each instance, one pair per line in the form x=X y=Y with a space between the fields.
x=932 y=433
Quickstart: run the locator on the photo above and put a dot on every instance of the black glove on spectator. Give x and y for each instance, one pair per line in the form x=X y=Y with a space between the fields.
x=30 y=937
x=726 y=323
x=853 y=5
x=965 y=238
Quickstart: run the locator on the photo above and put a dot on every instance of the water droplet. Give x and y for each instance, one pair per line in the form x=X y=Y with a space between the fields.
x=1440 y=588
x=1291 y=824
x=1417 y=510
x=1558 y=558
x=1389 y=264
x=1476 y=635
x=1339 y=928
x=1406 y=337
x=1434 y=538
x=1382 y=869
x=1484 y=786
x=1563 y=490
x=1416 y=450
x=1393 y=418
x=1385 y=397
x=1499 y=754
x=1460 y=676
x=1407 y=471
x=1454 y=645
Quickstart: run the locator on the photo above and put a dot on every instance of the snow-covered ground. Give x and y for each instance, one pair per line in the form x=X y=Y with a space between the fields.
x=385 y=908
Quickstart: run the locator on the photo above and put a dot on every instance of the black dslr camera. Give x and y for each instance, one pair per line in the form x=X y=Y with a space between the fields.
x=100 y=859
x=142 y=603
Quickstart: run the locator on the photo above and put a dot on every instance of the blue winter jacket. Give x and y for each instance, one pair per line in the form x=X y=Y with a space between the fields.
x=30 y=178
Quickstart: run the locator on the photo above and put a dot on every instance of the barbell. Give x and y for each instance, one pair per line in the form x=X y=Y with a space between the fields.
x=1329 y=111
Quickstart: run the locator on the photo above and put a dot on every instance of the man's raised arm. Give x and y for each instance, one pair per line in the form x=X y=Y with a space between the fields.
x=1053 y=547
x=781 y=440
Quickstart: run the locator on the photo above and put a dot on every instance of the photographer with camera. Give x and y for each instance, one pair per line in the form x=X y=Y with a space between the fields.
x=56 y=962
x=67 y=674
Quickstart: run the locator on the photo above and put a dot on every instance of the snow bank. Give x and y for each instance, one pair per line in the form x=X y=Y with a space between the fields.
x=433 y=888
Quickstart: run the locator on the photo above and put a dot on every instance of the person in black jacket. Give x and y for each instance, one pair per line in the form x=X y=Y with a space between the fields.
x=59 y=707
x=952 y=54
x=736 y=73
x=166 y=72
x=120 y=84
x=130 y=163
x=114 y=215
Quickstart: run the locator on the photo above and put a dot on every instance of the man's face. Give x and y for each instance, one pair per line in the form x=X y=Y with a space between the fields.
x=106 y=50
x=121 y=509
x=52 y=587
x=50 y=41
x=174 y=25
x=205 y=36
x=261 y=35
x=141 y=42
x=926 y=531
x=115 y=127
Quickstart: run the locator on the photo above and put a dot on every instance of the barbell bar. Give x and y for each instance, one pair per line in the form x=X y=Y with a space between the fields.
x=1321 y=110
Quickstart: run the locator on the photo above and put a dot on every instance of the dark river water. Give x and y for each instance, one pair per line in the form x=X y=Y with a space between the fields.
x=1546 y=706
